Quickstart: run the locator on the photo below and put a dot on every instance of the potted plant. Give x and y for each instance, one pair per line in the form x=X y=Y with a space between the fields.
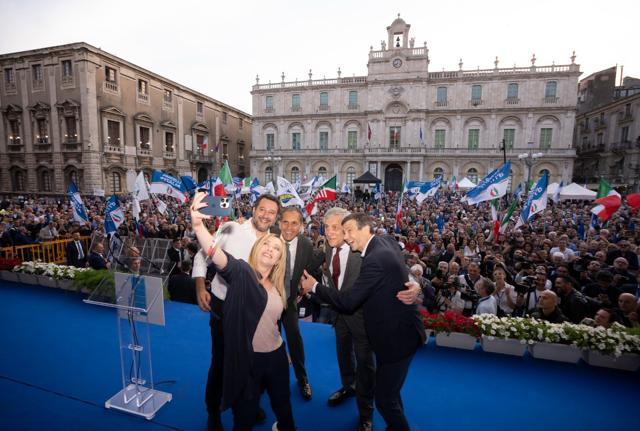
x=505 y=335
x=452 y=329
x=616 y=347
x=557 y=342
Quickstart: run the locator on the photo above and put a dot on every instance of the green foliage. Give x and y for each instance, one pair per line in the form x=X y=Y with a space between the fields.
x=88 y=280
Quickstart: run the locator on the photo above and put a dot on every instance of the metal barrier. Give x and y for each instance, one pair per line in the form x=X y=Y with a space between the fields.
x=49 y=252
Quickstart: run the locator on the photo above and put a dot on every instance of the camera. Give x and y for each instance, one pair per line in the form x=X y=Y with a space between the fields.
x=527 y=285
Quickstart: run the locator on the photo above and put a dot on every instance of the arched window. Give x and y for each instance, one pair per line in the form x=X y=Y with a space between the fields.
x=472 y=174
x=438 y=173
x=322 y=172
x=73 y=177
x=116 y=182
x=46 y=181
x=295 y=174
x=18 y=181
x=268 y=174
x=543 y=172
x=351 y=175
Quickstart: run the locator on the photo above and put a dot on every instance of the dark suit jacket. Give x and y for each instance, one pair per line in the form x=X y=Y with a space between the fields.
x=72 y=255
x=96 y=261
x=174 y=256
x=394 y=329
x=306 y=258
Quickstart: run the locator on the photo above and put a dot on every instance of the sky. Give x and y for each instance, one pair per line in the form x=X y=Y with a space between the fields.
x=218 y=47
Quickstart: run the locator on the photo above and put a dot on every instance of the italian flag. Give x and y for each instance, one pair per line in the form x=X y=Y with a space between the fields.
x=608 y=201
x=326 y=192
x=507 y=216
x=634 y=201
x=223 y=180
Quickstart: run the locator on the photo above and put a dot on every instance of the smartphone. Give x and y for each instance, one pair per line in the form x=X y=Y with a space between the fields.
x=217 y=206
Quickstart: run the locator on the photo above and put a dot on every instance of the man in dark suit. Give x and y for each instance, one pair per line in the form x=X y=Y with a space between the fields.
x=76 y=253
x=182 y=287
x=355 y=356
x=393 y=327
x=96 y=257
x=176 y=256
x=300 y=257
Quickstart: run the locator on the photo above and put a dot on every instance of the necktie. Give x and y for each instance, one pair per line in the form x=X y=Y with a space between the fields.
x=287 y=272
x=80 y=253
x=335 y=267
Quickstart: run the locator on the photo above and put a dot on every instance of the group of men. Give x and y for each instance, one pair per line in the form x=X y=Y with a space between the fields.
x=363 y=277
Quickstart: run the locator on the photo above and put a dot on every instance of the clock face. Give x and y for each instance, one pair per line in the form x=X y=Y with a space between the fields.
x=397 y=63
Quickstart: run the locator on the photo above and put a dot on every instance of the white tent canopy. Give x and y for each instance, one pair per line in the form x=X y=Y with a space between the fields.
x=576 y=191
x=466 y=183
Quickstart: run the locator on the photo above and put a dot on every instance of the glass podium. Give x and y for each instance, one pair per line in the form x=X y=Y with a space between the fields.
x=138 y=300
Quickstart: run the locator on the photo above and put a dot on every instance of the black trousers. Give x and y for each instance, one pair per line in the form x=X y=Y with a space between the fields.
x=270 y=371
x=389 y=380
x=356 y=360
x=294 y=340
x=213 y=394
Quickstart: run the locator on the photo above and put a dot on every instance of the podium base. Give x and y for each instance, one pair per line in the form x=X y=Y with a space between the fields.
x=138 y=400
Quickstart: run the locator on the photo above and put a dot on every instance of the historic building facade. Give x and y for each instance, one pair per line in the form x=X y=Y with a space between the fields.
x=75 y=112
x=402 y=121
x=607 y=130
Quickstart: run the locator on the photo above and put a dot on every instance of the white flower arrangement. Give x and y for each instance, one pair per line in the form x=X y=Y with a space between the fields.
x=57 y=272
x=614 y=340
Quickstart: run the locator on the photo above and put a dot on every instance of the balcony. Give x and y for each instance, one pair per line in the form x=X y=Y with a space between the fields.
x=269 y=110
x=511 y=101
x=625 y=117
x=71 y=147
x=67 y=81
x=113 y=149
x=323 y=107
x=624 y=145
x=475 y=102
x=145 y=151
x=296 y=108
x=550 y=100
x=201 y=158
x=353 y=106
x=168 y=154
x=441 y=103
x=111 y=87
x=144 y=98
x=42 y=147
x=37 y=84
x=9 y=87
x=590 y=149
x=15 y=147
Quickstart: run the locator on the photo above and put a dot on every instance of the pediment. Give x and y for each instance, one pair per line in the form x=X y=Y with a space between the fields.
x=113 y=111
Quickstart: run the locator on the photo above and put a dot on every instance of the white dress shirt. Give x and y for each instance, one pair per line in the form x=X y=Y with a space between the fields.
x=344 y=256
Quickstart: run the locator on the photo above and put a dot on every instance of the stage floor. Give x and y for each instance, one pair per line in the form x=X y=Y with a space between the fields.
x=59 y=363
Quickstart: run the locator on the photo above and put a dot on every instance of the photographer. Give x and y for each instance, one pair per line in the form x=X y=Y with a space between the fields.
x=467 y=288
x=530 y=290
x=449 y=297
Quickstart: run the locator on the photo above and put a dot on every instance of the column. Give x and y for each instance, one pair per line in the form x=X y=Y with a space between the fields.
x=421 y=169
x=408 y=176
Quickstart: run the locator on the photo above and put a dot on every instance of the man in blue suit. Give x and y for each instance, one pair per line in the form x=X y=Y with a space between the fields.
x=393 y=326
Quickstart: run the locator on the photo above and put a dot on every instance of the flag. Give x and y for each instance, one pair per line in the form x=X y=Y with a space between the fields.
x=556 y=195
x=377 y=193
x=345 y=188
x=189 y=182
x=421 y=138
x=79 y=211
x=287 y=194
x=135 y=209
x=454 y=183
x=256 y=192
x=161 y=206
x=536 y=200
x=399 y=210
x=428 y=189
x=113 y=216
x=493 y=186
x=224 y=182
x=507 y=216
x=165 y=184
x=140 y=189
x=608 y=201
x=607 y=206
x=518 y=192
x=495 y=207
x=247 y=184
x=633 y=200
x=326 y=193
x=369 y=134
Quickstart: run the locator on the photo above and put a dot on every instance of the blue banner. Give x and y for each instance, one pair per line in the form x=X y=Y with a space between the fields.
x=77 y=206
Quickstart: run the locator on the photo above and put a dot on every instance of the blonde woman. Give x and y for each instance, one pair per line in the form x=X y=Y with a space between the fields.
x=254 y=353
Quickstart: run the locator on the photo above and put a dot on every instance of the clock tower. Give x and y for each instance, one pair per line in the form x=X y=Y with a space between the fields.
x=398 y=57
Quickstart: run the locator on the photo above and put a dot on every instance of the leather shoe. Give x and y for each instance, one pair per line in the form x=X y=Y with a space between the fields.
x=305 y=390
x=340 y=395
x=365 y=425
x=261 y=416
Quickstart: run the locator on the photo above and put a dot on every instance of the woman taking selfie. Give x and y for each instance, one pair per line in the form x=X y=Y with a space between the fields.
x=254 y=353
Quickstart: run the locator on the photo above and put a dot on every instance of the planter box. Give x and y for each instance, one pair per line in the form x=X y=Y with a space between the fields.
x=66 y=284
x=556 y=352
x=10 y=276
x=508 y=346
x=457 y=340
x=44 y=280
x=28 y=278
x=627 y=361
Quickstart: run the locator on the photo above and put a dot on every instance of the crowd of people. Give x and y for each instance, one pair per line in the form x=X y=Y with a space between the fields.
x=559 y=267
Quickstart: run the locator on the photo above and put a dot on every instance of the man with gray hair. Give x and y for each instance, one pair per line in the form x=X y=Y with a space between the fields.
x=355 y=356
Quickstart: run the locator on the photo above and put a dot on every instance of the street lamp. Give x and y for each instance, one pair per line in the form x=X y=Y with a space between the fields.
x=529 y=160
x=273 y=161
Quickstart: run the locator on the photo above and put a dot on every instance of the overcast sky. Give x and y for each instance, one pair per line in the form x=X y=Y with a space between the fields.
x=218 y=47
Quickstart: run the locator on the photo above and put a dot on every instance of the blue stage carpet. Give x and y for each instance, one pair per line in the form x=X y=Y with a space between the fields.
x=59 y=363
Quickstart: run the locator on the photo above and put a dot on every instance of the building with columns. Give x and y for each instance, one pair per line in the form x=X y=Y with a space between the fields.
x=402 y=121
x=75 y=112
